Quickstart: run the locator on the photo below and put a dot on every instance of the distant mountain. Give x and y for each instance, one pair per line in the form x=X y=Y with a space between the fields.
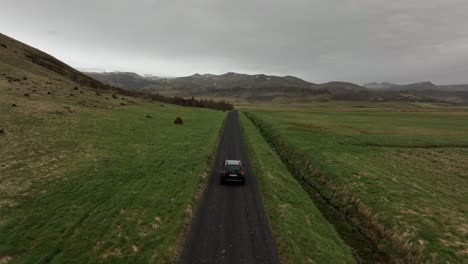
x=261 y=87
x=420 y=86
x=152 y=77
x=384 y=85
x=206 y=84
x=233 y=80
x=124 y=80
x=340 y=87
x=455 y=88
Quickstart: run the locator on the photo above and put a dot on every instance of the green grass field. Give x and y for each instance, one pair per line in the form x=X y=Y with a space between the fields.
x=302 y=234
x=84 y=179
x=407 y=162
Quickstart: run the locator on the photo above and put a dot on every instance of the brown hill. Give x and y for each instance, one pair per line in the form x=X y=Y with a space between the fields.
x=18 y=59
x=17 y=56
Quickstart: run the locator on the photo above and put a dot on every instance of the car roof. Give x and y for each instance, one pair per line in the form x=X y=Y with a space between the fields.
x=232 y=162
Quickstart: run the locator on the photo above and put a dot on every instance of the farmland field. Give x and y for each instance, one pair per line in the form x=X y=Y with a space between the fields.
x=302 y=234
x=407 y=162
x=109 y=183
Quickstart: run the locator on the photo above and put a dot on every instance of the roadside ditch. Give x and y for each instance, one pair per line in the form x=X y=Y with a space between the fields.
x=356 y=224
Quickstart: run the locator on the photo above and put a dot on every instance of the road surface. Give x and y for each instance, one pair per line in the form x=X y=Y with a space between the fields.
x=230 y=225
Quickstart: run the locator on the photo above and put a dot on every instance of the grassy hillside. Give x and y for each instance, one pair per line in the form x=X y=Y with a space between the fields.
x=91 y=176
x=21 y=60
x=83 y=184
x=301 y=232
x=402 y=165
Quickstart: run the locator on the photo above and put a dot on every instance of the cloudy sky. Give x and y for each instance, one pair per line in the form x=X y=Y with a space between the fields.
x=360 y=41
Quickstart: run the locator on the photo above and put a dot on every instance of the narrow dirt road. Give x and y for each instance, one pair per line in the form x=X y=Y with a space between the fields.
x=230 y=225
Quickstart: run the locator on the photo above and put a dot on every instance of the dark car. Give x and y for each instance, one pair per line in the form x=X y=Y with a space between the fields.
x=233 y=171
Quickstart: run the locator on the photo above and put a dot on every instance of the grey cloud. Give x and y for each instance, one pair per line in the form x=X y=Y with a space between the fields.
x=353 y=40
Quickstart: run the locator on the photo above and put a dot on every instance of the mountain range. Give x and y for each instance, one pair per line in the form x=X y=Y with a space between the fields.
x=19 y=58
x=420 y=86
x=261 y=87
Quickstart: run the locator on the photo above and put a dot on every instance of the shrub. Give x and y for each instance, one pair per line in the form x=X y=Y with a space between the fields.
x=178 y=121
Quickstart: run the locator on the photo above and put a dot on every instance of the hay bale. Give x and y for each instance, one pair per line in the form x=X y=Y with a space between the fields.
x=178 y=121
x=13 y=105
x=26 y=94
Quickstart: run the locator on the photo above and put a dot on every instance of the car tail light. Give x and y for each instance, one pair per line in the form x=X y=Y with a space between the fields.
x=224 y=171
x=242 y=172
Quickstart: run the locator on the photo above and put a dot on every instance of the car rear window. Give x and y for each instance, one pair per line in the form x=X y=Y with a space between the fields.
x=233 y=167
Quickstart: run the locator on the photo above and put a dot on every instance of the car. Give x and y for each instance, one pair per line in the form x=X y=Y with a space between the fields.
x=233 y=171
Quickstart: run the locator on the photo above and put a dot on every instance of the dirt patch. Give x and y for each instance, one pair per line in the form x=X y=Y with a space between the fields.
x=135 y=249
x=116 y=252
x=5 y=259
x=7 y=203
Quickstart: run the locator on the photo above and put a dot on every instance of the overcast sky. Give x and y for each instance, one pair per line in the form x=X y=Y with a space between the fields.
x=360 y=41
